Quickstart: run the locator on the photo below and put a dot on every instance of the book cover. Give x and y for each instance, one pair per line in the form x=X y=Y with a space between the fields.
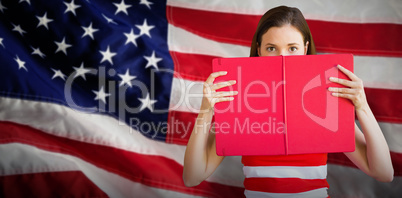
x=283 y=106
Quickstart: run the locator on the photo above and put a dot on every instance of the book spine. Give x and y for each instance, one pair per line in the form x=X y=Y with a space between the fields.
x=284 y=105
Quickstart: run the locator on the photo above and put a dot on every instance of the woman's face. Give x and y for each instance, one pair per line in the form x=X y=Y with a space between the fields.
x=285 y=40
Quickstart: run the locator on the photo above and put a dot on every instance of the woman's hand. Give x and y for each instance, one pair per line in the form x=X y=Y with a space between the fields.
x=211 y=97
x=371 y=153
x=354 y=90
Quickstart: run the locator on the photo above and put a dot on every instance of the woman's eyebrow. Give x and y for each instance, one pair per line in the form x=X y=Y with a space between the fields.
x=293 y=44
x=270 y=44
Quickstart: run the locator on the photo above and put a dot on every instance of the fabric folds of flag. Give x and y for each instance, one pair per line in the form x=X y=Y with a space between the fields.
x=98 y=98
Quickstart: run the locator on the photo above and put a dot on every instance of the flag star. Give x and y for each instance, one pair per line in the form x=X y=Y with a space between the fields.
x=89 y=31
x=21 y=64
x=122 y=7
x=28 y=1
x=18 y=29
x=107 y=55
x=81 y=71
x=62 y=46
x=71 y=7
x=44 y=21
x=131 y=37
x=38 y=52
x=101 y=95
x=109 y=20
x=58 y=73
x=152 y=60
x=1 y=42
x=147 y=103
x=147 y=3
x=126 y=79
x=144 y=28
x=2 y=8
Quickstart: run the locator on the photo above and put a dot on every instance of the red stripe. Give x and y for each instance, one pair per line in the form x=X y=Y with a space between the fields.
x=222 y=27
x=286 y=160
x=284 y=185
x=53 y=184
x=341 y=159
x=386 y=104
x=357 y=38
x=192 y=66
x=180 y=127
x=155 y=171
x=384 y=39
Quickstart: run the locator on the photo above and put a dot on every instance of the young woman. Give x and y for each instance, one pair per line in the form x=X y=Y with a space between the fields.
x=284 y=31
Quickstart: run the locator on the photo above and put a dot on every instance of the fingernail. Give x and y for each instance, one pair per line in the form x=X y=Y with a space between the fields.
x=231 y=98
x=236 y=92
x=233 y=82
x=330 y=89
x=340 y=66
x=331 y=78
x=225 y=72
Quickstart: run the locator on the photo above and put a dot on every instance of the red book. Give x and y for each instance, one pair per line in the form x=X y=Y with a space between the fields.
x=284 y=106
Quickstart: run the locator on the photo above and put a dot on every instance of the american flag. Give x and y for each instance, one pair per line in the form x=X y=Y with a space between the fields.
x=98 y=97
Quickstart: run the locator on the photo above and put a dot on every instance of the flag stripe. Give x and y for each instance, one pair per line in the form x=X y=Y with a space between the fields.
x=374 y=11
x=26 y=162
x=341 y=159
x=393 y=134
x=386 y=104
x=181 y=40
x=358 y=184
x=106 y=132
x=216 y=26
x=73 y=184
x=155 y=171
x=183 y=123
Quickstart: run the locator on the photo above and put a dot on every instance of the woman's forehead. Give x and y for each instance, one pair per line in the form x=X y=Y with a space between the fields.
x=283 y=34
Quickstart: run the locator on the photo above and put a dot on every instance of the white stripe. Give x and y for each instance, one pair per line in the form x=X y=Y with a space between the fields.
x=351 y=182
x=321 y=192
x=350 y=11
x=393 y=134
x=379 y=72
x=180 y=40
x=28 y=159
x=97 y=129
x=305 y=172
x=376 y=72
x=186 y=95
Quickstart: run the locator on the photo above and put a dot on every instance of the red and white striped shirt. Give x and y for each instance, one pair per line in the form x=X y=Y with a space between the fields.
x=286 y=176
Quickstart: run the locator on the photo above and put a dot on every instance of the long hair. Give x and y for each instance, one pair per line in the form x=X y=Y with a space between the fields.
x=277 y=17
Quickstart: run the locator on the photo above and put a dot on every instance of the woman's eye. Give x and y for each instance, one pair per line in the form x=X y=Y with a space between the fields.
x=293 y=49
x=271 y=49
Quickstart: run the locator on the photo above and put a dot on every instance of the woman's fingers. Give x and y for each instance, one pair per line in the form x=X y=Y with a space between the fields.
x=341 y=81
x=353 y=91
x=342 y=90
x=348 y=73
x=224 y=93
x=211 y=96
x=223 y=84
x=211 y=78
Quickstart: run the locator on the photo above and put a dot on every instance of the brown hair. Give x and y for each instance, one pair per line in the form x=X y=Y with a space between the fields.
x=277 y=17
